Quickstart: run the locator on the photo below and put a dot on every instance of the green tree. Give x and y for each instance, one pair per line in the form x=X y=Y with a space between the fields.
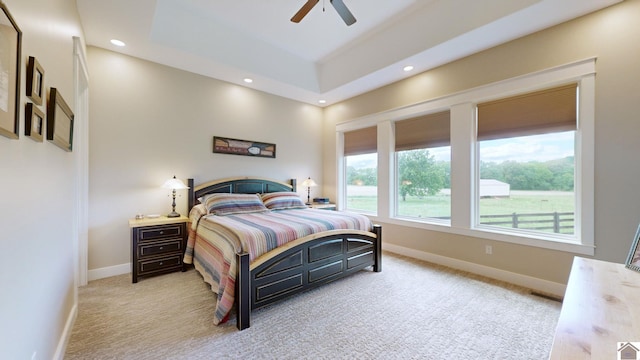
x=563 y=171
x=362 y=176
x=491 y=170
x=446 y=168
x=419 y=174
x=534 y=175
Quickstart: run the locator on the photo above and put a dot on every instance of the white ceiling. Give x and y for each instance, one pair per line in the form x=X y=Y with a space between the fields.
x=321 y=57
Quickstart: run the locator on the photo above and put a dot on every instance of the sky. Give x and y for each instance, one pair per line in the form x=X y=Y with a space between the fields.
x=530 y=148
x=522 y=149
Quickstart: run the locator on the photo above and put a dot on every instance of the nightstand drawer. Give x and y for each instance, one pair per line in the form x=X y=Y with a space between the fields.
x=160 y=247
x=160 y=231
x=157 y=264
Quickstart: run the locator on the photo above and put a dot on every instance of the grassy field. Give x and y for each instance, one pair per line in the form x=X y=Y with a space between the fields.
x=438 y=206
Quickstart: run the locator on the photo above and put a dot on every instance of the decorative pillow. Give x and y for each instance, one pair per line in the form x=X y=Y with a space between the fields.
x=227 y=204
x=282 y=200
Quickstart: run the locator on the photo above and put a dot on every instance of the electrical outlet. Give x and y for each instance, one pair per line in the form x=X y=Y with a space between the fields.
x=488 y=249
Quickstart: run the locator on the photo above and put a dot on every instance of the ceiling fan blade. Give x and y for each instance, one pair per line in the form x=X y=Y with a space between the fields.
x=344 y=13
x=304 y=10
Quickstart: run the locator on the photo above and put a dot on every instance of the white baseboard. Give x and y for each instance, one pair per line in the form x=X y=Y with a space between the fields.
x=108 y=271
x=544 y=286
x=66 y=334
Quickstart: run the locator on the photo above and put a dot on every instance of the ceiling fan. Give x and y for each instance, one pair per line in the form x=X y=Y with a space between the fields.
x=339 y=5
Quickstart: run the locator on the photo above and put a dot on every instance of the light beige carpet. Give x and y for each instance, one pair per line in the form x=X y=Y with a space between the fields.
x=411 y=310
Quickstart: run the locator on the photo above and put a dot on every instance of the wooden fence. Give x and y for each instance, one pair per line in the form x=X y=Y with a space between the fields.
x=557 y=222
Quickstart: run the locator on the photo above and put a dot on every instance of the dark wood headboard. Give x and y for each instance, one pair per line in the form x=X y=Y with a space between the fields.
x=241 y=185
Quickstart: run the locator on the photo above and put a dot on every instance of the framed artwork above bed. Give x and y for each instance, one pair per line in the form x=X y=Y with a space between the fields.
x=224 y=145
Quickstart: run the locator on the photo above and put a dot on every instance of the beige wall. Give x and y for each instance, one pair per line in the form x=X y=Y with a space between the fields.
x=610 y=35
x=38 y=257
x=149 y=122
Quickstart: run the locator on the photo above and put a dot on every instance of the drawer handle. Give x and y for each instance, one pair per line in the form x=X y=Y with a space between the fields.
x=160 y=263
x=161 y=247
x=161 y=232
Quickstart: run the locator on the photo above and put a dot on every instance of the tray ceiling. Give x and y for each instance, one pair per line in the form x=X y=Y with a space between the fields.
x=321 y=57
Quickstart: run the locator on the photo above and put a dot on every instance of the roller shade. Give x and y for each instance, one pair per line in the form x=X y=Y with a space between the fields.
x=427 y=131
x=539 y=112
x=361 y=141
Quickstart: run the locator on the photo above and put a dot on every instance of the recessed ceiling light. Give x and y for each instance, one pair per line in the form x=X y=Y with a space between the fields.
x=248 y=80
x=408 y=68
x=322 y=101
x=117 y=42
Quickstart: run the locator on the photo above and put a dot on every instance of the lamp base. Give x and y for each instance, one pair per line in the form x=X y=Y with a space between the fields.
x=173 y=214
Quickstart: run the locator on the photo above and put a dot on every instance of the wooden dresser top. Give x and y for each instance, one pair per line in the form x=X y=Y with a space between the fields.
x=601 y=307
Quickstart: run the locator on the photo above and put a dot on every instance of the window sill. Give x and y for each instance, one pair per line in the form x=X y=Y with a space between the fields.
x=490 y=234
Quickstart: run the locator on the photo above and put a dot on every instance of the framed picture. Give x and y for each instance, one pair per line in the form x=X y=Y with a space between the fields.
x=633 y=260
x=59 y=121
x=33 y=122
x=10 y=46
x=35 y=80
x=224 y=145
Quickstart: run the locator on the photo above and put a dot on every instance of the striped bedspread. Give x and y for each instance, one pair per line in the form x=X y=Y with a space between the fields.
x=214 y=241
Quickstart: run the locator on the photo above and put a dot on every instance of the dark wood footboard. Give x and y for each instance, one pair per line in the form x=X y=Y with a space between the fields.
x=304 y=264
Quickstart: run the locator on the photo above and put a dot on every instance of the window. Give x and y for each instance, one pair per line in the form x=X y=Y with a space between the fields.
x=528 y=159
x=361 y=169
x=527 y=162
x=423 y=167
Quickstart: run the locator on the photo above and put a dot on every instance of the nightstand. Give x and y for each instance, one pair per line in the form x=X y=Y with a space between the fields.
x=157 y=245
x=323 y=206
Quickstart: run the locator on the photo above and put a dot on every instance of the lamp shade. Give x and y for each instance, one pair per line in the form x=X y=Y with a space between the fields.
x=309 y=182
x=175 y=184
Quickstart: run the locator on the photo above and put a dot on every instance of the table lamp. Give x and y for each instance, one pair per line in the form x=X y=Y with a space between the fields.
x=309 y=183
x=174 y=184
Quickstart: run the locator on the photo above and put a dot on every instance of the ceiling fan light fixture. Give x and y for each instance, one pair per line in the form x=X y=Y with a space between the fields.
x=339 y=5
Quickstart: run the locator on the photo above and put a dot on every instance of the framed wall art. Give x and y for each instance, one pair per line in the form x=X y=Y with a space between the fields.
x=224 y=145
x=35 y=80
x=59 y=121
x=33 y=122
x=633 y=259
x=10 y=47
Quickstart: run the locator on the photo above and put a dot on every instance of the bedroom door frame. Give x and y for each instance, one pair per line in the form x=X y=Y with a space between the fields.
x=81 y=148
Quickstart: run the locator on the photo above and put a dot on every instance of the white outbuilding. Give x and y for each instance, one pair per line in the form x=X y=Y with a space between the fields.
x=494 y=188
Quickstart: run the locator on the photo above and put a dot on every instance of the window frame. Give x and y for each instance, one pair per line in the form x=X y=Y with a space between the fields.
x=464 y=154
x=564 y=125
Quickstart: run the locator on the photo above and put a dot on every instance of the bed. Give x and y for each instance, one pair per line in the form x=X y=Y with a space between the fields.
x=314 y=246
